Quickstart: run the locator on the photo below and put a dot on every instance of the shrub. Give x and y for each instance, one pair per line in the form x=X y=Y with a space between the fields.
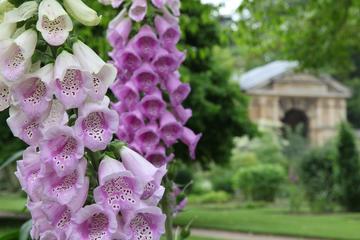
x=261 y=182
x=317 y=177
x=210 y=197
x=348 y=169
x=221 y=179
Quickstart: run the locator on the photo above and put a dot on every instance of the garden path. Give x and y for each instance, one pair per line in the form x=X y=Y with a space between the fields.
x=225 y=235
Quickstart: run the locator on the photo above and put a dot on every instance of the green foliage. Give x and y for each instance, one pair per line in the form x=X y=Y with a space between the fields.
x=317 y=176
x=221 y=179
x=210 y=197
x=353 y=103
x=348 y=169
x=260 y=182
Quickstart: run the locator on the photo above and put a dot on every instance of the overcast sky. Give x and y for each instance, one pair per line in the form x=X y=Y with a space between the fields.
x=229 y=7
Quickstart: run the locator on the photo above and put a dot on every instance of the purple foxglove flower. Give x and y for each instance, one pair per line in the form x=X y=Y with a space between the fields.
x=119 y=30
x=178 y=91
x=61 y=149
x=136 y=147
x=96 y=125
x=4 y=95
x=102 y=74
x=174 y=6
x=159 y=3
x=158 y=157
x=24 y=127
x=119 y=107
x=144 y=223
x=145 y=78
x=191 y=140
x=149 y=176
x=138 y=10
x=123 y=135
x=147 y=137
x=70 y=80
x=57 y=116
x=170 y=129
x=182 y=114
x=94 y=222
x=153 y=106
x=28 y=173
x=118 y=188
x=132 y=120
x=40 y=224
x=68 y=189
x=128 y=93
x=155 y=198
x=146 y=43
x=32 y=93
x=127 y=59
x=113 y=3
x=169 y=32
x=53 y=23
x=15 y=55
x=165 y=62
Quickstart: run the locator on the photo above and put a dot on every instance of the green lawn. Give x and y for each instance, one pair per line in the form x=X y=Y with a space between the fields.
x=271 y=220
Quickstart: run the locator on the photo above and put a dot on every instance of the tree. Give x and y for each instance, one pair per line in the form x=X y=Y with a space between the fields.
x=348 y=169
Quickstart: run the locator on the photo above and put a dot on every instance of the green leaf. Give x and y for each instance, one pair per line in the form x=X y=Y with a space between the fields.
x=16 y=156
x=25 y=230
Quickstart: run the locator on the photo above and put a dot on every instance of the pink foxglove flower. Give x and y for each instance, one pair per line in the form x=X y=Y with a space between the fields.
x=57 y=116
x=62 y=149
x=170 y=129
x=159 y=3
x=138 y=10
x=102 y=74
x=70 y=81
x=145 y=79
x=132 y=120
x=127 y=92
x=169 y=32
x=182 y=114
x=191 y=140
x=4 y=95
x=53 y=22
x=147 y=137
x=119 y=30
x=96 y=125
x=15 y=55
x=118 y=188
x=127 y=59
x=178 y=91
x=153 y=105
x=32 y=92
x=158 y=157
x=145 y=43
x=113 y=3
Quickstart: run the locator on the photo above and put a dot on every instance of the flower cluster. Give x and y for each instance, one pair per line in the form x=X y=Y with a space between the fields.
x=60 y=110
x=148 y=84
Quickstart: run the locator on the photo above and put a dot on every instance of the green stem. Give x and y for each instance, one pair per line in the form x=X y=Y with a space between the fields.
x=166 y=204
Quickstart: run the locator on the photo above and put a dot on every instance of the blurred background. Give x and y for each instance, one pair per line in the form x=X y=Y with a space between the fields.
x=276 y=94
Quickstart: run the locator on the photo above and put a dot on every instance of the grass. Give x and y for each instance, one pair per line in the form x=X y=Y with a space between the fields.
x=12 y=203
x=273 y=220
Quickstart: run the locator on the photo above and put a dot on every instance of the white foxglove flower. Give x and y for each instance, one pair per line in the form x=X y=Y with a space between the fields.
x=53 y=23
x=21 y=13
x=15 y=55
x=4 y=95
x=82 y=13
x=102 y=74
x=5 y=6
x=7 y=30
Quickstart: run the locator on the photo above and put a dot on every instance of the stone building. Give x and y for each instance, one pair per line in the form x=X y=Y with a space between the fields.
x=281 y=96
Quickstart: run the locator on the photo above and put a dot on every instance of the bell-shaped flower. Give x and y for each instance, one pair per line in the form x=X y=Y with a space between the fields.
x=174 y=6
x=82 y=12
x=155 y=198
x=159 y=3
x=138 y=10
x=68 y=189
x=145 y=78
x=145 y=43
x=169 y=32
x=158 y=157
x=170 y=129
x=165 y=63
x=102 y=74
x=147 y=137
x=113 y=3
x=32 y=92
x=191 y=140
x=147 y=174
x=182 y=114
x=118 y=188
x=4 y=95
x=123 y=134
x=15 y=55
x=132 y=120
x=119 y=30
x=21 y=13
x=178 y=91
x=24 y=127
x=40 y=225
x=119 y=107
x=153 y=105
x=70 y=81
x=128 y=93
x=94 y=222
x=5 y=6
x=7 y=30
x=61 y=149
x=28 y=173
x=53 y=23
x=144 y=223
x=127 y=59
x=57 y=116
x=96 y=125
